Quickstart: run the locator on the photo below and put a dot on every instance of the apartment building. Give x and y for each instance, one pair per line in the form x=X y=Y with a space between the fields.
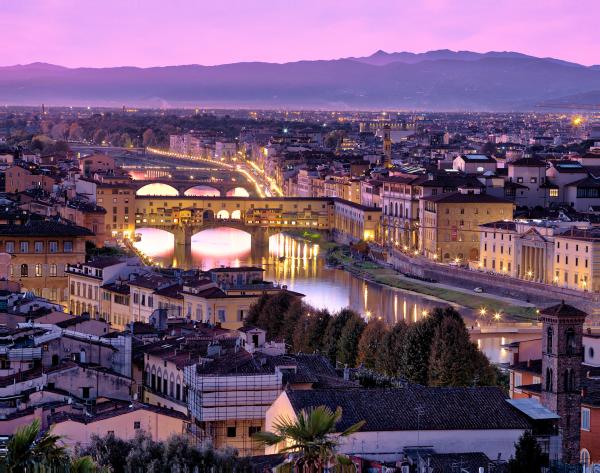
x=449 y=229
x=118 y=199
x=41 y=251
x=87 y=279
x=577 y=260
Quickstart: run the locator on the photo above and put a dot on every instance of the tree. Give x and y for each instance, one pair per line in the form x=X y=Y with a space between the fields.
x=371 y=342
x=347 y=351
x=309 y=330
x=27 y=447
x=75 y=132
x=108 y=451
x=268 y=313
x=333 y=332
x=417 y=345
x=145 y=455
x=312 y=437
x=148 y=138
x=455 y=360
x=392 y=350
x=529 y=457
x=83 y=465
x=291 y=318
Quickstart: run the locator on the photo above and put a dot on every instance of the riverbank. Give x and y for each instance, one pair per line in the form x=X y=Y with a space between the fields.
x=340 y=256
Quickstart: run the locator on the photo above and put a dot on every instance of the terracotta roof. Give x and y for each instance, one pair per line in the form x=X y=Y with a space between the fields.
x=398 y=408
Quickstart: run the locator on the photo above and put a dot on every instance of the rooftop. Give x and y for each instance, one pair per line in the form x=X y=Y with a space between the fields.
x=398 y=408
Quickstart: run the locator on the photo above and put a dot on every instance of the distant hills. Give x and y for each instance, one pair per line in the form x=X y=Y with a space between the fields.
x=435 y=80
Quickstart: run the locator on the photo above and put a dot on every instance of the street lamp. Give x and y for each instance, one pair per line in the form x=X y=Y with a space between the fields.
x=483 y=311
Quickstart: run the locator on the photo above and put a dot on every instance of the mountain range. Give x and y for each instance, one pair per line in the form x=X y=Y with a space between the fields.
x=440 y=80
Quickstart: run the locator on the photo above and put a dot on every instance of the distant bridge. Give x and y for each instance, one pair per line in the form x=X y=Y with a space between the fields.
x=184 y=216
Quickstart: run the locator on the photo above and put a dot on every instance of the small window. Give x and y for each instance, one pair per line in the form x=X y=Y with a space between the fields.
x=68 y=246
x=253 y=429
x=53 y=247
x=585 y=419
x=137 y=425
x=10 y=246
x=591 y=352
x=39 y=247
x=85 y=393
x=231 y=432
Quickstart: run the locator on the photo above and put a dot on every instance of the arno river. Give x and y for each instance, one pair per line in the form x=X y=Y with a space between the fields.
x=298 y=265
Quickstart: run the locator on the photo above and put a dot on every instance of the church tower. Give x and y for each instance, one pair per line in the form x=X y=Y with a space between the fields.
x=387 y=146
x=562 y=329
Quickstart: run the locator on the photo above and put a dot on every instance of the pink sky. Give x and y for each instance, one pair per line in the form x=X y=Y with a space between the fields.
x=167 y=32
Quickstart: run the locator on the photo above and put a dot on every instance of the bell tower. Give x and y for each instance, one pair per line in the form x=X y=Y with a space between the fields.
x=562 y=329
x=387 y=146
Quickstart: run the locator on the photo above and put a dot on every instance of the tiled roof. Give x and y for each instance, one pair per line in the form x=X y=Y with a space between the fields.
x=563 y=310
x=502 y=225
x=531 y=366
x=529 y=163
x=416 y=407
x=458 y=198
x=43 y=228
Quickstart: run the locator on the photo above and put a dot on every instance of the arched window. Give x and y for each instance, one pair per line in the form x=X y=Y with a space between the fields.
x=549 y=340
x=570 y=335
x=549 y=379
x=24 y=271
x=158 y=380
x=584 y=458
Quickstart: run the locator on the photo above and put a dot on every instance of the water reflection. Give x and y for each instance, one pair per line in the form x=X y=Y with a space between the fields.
x=296 y=263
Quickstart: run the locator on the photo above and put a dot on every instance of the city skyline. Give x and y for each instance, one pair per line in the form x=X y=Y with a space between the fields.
x=71 y=34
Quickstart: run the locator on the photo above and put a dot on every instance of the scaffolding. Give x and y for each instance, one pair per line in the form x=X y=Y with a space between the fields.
x=227 y=409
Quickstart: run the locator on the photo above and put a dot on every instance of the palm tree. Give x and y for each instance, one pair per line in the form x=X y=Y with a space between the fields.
x=84 y=464
x=28 y=448
x=312 y=437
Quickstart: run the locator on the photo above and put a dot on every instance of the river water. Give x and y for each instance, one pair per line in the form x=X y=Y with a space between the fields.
x=297 y=264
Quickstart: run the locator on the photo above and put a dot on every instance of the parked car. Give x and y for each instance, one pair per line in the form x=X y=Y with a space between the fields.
x=478 y=289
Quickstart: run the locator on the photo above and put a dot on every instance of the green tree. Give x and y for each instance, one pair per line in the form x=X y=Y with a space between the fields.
x=417 y=345
x=455 y=360
x=309 y=330
x=269 y=312
x=108 y=451
x=291 y=318
x=392 y=350
x=84 y=464
x=347 y=351
x=312 y=437
x=145 y=455
x=28 y=447
x=529 y=457
x=371 y=342
x=333 y=332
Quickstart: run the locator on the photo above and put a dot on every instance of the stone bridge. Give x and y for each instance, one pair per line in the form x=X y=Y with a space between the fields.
x=185 y=216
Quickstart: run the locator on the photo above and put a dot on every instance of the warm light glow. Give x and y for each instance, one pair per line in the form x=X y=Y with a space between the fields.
x=238 y=192
x=154 y=242
x=157 y=188
x=202 y=191
x=219 y=246
x=482 y=311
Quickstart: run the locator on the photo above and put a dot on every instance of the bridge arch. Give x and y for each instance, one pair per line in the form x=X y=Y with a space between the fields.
x=154 y=242
x=202 y=191
x=158 y=189
x=208 y=214
x=236 y=214
x=238 y=192
x=223 y=215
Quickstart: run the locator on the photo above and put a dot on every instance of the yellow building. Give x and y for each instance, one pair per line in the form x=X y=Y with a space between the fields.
x=450 y=223
x=577 y=259
x=40 y=253
x=119 y=201
x=353 y=222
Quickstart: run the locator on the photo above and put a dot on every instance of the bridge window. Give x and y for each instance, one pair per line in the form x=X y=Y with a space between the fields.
x=223 y=214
